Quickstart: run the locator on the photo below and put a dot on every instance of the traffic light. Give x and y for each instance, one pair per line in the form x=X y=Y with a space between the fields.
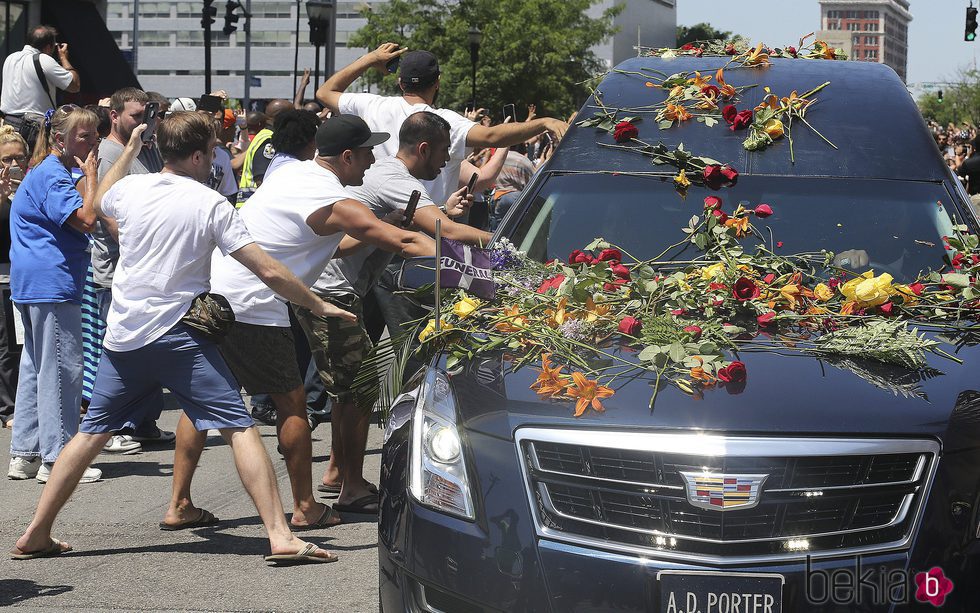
x=208 y=14
x=970 y=34
x=939 y=95
x=230 y=17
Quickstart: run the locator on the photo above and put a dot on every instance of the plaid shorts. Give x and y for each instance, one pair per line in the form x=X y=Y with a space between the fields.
x=338 y=346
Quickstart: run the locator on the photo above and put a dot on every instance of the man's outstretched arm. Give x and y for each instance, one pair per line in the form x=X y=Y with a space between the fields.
x=329 y=93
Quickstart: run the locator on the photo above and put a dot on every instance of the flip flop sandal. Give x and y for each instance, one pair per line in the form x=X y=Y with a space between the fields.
x=56 y=548
x=335 y=489
x=205 y=519
x=303 y=556
x=322 y=522
x=361 y=505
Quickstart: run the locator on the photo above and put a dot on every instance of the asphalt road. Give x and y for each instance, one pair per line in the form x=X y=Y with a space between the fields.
x=122 y=561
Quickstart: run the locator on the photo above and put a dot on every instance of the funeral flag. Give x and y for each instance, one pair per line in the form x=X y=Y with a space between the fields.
x=467 y=268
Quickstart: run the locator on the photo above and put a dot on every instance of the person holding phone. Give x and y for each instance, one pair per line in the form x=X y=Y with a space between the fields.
x=13 y=163
x=127 y=110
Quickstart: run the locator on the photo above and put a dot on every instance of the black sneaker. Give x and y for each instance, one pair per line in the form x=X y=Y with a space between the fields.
x=264 y=415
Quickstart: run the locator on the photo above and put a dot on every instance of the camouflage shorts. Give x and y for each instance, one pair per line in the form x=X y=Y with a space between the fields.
x=338 y=346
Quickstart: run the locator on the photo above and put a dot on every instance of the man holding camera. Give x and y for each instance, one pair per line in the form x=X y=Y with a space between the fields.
x=31 y=76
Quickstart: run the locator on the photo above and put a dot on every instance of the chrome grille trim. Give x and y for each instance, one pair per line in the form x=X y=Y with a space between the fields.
x=714 y=445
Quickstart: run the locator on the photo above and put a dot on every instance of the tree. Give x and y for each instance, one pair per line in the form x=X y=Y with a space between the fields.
x=533 y=51
x=961 y=100
x=700 y=31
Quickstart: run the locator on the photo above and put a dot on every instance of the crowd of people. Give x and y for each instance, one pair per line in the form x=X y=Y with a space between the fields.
x=215 y=251
x=958 y=145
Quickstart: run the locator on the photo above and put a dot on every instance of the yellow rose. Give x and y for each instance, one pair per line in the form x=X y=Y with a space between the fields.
x=430 y=328
x=823 y=292
x=710 y=272
x=465 y=306
x=774 y=128
x=682 y=181
x=869 y=290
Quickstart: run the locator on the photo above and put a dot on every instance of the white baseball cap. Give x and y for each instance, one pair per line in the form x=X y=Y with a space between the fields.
x=183 y=104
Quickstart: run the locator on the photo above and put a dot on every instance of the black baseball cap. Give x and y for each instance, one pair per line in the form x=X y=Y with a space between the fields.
x=419 y=68
x=343 y=132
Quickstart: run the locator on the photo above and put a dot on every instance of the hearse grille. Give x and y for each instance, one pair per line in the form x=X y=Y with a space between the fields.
x=818 y=497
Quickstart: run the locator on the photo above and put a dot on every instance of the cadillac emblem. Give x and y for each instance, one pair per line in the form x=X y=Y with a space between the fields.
x=720 y=492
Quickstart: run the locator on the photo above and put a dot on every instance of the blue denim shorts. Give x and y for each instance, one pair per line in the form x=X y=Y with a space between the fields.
x=129 y=383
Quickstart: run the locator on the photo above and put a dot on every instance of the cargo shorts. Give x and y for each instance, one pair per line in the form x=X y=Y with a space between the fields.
x=338 y=346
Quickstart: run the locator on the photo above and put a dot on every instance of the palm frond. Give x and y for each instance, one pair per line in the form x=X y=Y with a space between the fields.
x=380 y=379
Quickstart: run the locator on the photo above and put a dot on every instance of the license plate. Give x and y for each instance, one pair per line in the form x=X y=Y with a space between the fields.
x=719 y=592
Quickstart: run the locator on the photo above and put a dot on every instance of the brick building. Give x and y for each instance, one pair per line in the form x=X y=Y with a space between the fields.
x=868 y=30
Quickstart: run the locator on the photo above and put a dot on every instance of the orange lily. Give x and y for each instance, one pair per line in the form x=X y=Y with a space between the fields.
x=588 y=393
x=757 y=57
x=676 y=92
x=514 y=321
x=727 y=91
x=849 y=308
x=676 y=111
x=595 y=311
x=741 y=225
x=550 y=382
x=698 y=80
x=699 y=374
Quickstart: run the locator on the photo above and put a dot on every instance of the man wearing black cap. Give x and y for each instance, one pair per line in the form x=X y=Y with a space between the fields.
x=418 y=78
x=300 y=214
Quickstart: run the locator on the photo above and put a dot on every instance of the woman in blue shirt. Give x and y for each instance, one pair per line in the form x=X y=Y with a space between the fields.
x=48 y=259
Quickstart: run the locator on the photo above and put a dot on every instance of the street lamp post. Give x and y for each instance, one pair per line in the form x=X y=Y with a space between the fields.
x=476 y=37
x=320 y=13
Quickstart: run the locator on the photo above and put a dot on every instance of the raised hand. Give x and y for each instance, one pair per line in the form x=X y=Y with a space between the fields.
x=385 y=53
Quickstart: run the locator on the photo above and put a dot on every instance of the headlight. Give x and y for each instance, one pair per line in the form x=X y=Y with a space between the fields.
x=438 y=471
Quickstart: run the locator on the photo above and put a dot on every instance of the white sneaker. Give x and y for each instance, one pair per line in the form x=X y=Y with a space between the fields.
x=122 y=444
x=23 y=468
x=91 y=475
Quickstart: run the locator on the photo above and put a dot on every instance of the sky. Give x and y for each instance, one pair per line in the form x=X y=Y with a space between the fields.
x=936 y=46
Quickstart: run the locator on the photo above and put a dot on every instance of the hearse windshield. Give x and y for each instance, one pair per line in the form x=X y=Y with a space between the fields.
x=899 y=225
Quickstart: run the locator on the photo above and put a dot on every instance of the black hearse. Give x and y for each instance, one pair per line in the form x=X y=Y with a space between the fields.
x=520 y=507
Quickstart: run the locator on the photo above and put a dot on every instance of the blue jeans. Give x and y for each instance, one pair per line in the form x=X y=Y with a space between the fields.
x=500 y=208
x=49 y=390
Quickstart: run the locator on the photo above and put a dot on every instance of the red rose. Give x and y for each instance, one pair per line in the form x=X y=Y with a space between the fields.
x=610 y=255
x=716 y=286
x=687 y=47
x=630 y=325
x=975 y=259
x=769 y=278
x=711 y=203
x=698 y=52
x=552 y=283
x=791 y=51
x=730 y=174
x=744 y=289
x=678 y=311
x=763 y=210
x=833 y=282
x=733 y=373
x=580 y=257
x=742 y=120
x=625 y=131
x=766 y=318
x=620 y=271
x=887 y=308
x=957 y=261
x=713 y=177
x=710 y=91
x=729 y=113
x=779 y=244
x=917 y=288
x=721 y=215
x=614 y=285
x=730 y=49
x=695 y=331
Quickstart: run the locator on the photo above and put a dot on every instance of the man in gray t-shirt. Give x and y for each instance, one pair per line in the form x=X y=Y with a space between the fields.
x=125 y=112
x=339 y=347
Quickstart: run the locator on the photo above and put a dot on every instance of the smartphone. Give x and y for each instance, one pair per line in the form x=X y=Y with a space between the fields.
x=469 y=186
x=209 y=103
x=470 y=106
x=151 y=117
x=16 y=173
x=510 y=111
x=413 y=203
x=391 y=67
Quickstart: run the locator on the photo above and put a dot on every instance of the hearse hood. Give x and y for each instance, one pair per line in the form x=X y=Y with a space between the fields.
x=785 y=394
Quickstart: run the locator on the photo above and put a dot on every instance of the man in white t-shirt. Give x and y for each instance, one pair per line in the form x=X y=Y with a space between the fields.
x=418 y=78
x=299 y=216
x=23 y=92
x=168 y=225
x=339 y=347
